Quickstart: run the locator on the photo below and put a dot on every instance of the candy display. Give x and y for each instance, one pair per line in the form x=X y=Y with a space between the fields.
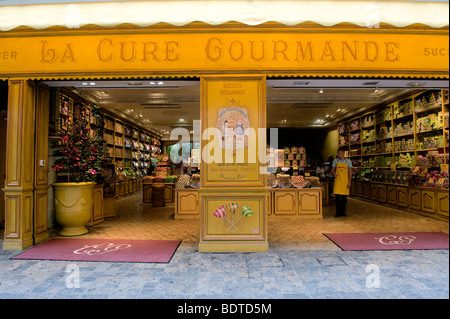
x=284 y=180
x=298 y=181
x=271 y=181
x=313 y=181
x=183 y=182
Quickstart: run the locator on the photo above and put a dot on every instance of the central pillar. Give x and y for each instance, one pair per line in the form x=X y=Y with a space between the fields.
x=233 y=191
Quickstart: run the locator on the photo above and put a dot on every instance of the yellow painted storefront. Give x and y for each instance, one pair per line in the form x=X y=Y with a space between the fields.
x=223 y=56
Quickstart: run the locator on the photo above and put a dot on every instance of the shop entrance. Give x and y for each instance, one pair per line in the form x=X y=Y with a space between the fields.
x=306 y=113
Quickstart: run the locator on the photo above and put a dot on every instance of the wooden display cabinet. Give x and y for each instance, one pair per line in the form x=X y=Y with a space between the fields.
x=366 y=190
x=442 y=203
x=402 y=196
x=392 y=195
x=97 y=210
x=374 y=191
x=310 y=202
x=168 y=192
x=359 y=189
x=428 y=199
x=285 y=202
x=186 y=204
x=414 y=199
x=147 y=193
x=382 y=193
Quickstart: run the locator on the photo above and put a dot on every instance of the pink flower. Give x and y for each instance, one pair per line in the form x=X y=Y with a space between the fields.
x=92 y=171
x=92 y=158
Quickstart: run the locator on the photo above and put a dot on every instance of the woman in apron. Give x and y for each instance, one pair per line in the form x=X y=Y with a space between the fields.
x=341 y=170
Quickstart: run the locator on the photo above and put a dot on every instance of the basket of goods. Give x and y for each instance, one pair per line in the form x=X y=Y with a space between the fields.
x=148 y=179
x=302 y=163
x=158 y=180
x=284 y=180
x=170 y=179
x=294 y=150
x=291 y=157
x=195 y=181
x=313 y=181
x=271 y=181
x=183 y=181
x=301 y=150
x=298 y=181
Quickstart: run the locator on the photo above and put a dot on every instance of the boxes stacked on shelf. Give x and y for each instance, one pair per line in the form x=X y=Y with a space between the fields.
x=368 y=135
x=430 y=142
x=404 y=128
x=429 y=122
x=368 y=149
x=404 y=108
x=405 y=160
x=384 y=147
x=404 y=145
x=293 y=157
x=368 y=120
x=385 y=132
x=428 y=100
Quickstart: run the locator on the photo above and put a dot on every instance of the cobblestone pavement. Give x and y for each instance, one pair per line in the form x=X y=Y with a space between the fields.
x=301 y=264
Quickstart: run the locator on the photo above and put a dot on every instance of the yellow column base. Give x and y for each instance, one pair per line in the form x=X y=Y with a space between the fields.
x=229 y=247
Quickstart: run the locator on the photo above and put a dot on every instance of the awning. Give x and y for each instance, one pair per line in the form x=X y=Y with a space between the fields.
x=251 y=12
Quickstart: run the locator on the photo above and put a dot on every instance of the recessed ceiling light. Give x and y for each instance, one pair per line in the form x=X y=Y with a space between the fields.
x=140 y=115
x=84 y=83
x=160 y=83
x=416 y=84
x=375 y=91
x=131 y=110
x=92 y=83
x=152 y=83
x=181 y=120
x=328 y=115
x=338 y=110
x=320 y=91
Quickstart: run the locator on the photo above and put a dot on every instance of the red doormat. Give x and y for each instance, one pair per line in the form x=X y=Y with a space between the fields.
x=390 y=241
x=113 y=250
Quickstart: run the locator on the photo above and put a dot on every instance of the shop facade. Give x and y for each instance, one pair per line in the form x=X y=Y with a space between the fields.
x=232 y=61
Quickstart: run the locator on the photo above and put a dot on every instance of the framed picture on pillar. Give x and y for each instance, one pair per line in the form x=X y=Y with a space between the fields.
x=233 y=130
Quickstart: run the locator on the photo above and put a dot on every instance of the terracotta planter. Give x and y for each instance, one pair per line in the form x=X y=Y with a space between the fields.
x=73 y=206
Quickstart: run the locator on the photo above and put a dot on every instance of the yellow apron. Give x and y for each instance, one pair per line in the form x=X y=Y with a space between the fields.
x=341 y=180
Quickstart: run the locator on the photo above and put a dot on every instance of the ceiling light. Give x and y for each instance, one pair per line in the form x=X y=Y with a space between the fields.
x=320 y=91
x=140 y=115
x=181 y=120
x=92 y=83
x=152 y=83
x=84 y=83
x=338 y=110
x=416 y=84
x=160 y=83
x=375 y=91
x=131 y=110
x=328 y=115
x=134 y=83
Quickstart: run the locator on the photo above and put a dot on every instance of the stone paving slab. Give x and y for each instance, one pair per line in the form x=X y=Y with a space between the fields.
x=278 y=274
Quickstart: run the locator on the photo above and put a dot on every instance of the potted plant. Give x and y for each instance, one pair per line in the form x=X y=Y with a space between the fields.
x=83 y=156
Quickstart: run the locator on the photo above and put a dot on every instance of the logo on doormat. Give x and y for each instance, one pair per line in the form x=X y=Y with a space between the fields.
x=99 y=249
x=230 y=210
x=396 y=240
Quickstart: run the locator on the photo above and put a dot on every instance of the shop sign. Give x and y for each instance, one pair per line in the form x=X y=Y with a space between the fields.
x=208 y=52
